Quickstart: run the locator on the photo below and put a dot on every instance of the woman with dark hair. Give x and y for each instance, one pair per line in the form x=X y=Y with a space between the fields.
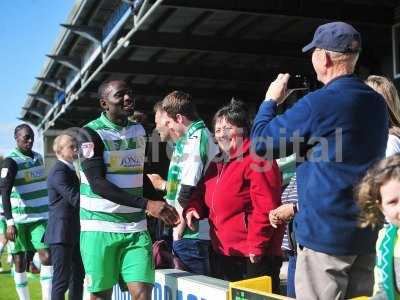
x=236 y=194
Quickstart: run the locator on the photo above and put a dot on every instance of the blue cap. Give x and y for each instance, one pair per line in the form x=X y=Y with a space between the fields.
x=337 y=37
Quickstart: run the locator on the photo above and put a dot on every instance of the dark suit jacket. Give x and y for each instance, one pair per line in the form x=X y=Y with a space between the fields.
x=63 y=187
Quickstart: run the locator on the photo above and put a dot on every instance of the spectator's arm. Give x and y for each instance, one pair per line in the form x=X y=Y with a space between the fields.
x=8 y=172
x=185 y=193
x=270 y=132
x=265 y=193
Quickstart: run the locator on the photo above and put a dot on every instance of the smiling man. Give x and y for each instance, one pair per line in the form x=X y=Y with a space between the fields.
x=115 y=243
x=193 y=152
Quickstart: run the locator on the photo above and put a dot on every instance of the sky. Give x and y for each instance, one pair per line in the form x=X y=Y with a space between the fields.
x=28 y=31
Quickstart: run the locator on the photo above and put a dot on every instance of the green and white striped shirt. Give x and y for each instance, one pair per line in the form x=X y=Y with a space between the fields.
x=29 y=200
x=1 y=210
x=192 y=154
x=124 y=152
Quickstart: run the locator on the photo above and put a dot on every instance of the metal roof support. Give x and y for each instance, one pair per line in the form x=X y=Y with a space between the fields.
x=54 y=83
x=49 y=113
x=74 y=15
x=108 y=50
x=106 y=60
x=33 y=112
x=88 y=32
x=41 y=98
x=84 y=77
x=73 y=63
x=143 y=8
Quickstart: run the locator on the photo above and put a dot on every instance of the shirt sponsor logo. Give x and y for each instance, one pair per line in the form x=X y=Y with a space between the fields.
x=37 y=173
x=120 y=162
x=29 y=175
x=130 y=161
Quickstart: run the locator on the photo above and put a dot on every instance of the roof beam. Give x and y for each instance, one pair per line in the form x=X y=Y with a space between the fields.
x=73 y=63
x=54 y=83
x=174 y=41
x=372 y=14
x=41 y=98
x=248 y=75
x=33 y=112
x=93 y=34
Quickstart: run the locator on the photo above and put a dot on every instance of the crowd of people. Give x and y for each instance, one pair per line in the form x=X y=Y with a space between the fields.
x=233 y=204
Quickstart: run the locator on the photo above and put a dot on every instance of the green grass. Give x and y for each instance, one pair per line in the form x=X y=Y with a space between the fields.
x=7 y=286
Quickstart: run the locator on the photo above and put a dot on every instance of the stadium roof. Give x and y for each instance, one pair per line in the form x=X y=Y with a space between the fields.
x=214 y=49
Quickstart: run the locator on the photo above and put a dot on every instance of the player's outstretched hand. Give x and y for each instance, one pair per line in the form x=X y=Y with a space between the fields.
x=163 y=211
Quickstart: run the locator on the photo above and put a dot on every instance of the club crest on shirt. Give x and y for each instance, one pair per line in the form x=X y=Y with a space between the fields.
x=87 y=149
x=4 y=172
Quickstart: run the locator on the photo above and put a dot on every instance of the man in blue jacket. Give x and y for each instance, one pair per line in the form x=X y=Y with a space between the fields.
x=63 y=228
x=337 y=132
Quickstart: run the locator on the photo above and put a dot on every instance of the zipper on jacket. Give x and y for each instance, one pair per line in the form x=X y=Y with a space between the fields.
x=212 y=196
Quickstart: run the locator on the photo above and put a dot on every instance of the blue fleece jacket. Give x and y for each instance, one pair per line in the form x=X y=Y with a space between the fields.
x=342 y=129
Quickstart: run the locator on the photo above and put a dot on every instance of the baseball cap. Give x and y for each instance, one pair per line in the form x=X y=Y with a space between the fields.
x=336 y=36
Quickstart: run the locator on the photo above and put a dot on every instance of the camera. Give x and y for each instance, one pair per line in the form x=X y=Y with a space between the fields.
x=297 y=86
x=298 y=81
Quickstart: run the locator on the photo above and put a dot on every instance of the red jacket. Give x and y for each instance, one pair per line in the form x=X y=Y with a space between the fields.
x=237 y=197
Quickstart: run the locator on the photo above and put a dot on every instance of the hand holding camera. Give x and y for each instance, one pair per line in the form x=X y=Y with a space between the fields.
x=284 y=85
x=278 y=88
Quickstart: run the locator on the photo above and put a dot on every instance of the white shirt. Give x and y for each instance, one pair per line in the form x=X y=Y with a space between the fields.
x=393 y=145
x=69 y=164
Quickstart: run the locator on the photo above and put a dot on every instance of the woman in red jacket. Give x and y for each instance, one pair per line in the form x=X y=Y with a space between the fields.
x=236 y=194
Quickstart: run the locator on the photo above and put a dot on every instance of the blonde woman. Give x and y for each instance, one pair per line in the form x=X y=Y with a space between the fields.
x=387 y=89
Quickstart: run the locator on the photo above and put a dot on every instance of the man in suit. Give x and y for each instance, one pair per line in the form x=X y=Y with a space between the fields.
x=63 y=228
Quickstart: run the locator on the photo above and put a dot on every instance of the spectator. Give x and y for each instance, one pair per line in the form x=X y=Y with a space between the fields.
x=164 y=137
x=236 y=195
x=194 y=149
x=387 y=89
x=63 y=229
x=287 y=166
x=379 y=199
x=159 y=150
x=284 y=214
x=337 y=131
